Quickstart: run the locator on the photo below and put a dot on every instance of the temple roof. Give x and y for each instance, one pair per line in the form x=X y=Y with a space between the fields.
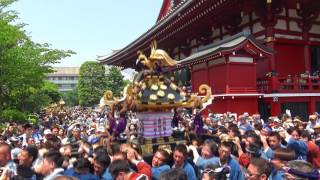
x=229 y=44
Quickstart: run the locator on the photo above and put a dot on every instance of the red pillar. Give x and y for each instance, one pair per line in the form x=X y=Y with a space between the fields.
x=227 y=75
x=275 y=108
x=307 y=58
x=269 y=26
x=312 y=105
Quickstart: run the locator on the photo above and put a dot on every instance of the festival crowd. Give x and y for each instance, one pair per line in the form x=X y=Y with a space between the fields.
x=88 y=145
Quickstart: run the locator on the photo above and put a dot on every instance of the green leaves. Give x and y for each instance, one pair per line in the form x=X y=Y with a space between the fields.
x=24 y=65
x=91 y=83
x=114 y=81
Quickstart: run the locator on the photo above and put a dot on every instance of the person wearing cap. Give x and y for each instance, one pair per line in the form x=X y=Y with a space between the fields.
x=276 y=125
x=316 y=134
x=313 y=121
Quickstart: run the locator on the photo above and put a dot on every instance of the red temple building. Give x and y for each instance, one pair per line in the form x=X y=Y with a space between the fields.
x=259 y=56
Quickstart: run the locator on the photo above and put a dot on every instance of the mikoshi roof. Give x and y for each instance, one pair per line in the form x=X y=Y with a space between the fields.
x=151 y=90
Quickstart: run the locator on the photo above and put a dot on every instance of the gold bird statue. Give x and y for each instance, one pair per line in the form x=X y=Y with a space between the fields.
x=157 y=57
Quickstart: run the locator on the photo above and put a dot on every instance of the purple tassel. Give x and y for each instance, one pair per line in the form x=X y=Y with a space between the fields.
x=198 y=124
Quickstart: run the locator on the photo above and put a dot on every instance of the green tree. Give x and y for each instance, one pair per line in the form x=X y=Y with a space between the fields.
x=52 y=90
x=92 y=83
x=24 y=65
x=71 y=97
x=115 y=81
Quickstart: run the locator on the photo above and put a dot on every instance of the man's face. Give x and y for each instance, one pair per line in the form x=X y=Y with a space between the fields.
x=4 y=155
x=28 y=131
x=253 y=173
x=206 y=152
x=10 y=128
x=31 y=141
x=277 y=163
x=295 y=135
x=47 y=167
x=24 y=159
x=224 y=153
x=274 y=142
x=55 y=131
x=61 y=133
x=249 y=140
x=178 y=158
x=98 y=168
x=76 y=133
x=158 y=159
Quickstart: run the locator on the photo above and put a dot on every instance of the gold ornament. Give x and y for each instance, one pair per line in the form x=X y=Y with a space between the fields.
x=173 y=86
x=171 y=96
x=163 y=87
x=153 y=97
x=160 y=93
x=154 y=87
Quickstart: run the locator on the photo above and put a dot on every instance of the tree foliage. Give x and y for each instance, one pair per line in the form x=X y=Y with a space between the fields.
x=114 y=81
x=24 y=65
x=71 y=97
x=92 y=83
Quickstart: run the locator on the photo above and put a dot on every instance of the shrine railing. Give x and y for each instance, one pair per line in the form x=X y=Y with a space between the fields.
x=289 y=85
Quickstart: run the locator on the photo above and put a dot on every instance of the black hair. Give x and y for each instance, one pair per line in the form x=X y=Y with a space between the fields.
x=103 y=159
x=256 y=138
x=227 y=145
x=182 y=148
x=262 y=165
x=174 y=174
x=100 y=150
x=53 y=142
x=213 y=146
x=276 y=134
x=165 y=154
x=115 y=148
x=82 y=163
x=118 y=166
x=32 y=151
x=306 y=134
x=27 y=125
x=55 y=157
x=290 y=131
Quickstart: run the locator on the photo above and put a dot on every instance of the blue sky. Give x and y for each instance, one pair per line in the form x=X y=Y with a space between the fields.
x=89 y=28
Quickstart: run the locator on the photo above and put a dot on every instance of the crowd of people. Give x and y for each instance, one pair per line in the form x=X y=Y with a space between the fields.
x=85 y=144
